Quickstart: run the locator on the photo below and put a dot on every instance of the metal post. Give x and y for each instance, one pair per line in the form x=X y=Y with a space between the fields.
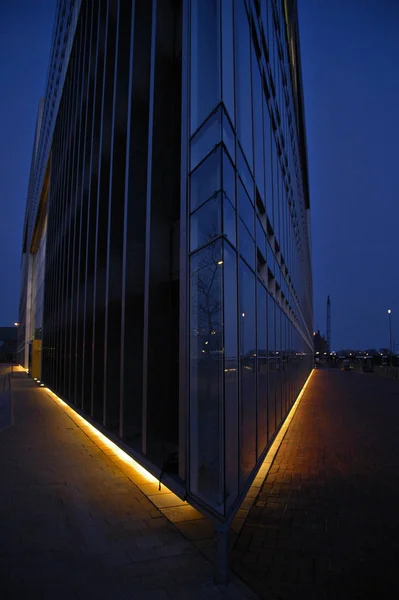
x=221 y=573
x=390 y=331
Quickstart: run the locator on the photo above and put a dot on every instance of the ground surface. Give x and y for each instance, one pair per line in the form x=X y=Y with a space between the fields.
x=326 y=522
x=76 y=523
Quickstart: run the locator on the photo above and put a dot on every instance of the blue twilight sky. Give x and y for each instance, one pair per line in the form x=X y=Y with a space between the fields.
x=350 y=51
x=351 y=84
x=26 y=28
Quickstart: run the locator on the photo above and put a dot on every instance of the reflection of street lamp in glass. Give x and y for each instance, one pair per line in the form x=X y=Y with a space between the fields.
x=242 y=342
x=390 y=330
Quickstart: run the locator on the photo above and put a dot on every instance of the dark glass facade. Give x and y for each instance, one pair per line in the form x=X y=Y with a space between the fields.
x=173 y=285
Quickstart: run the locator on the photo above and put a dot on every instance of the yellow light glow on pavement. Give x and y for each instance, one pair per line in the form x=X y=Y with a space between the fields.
x=250 y=498
x=99 y=437
x=279 y=437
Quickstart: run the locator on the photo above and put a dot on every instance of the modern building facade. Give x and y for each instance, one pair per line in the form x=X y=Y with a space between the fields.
x=166 y=255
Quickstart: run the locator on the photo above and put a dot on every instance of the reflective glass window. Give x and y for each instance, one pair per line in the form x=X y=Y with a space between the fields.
x=229 y=184
x=261 y=239
x=278 y=355
x=271 y=259
x=261 y=357
x=206 y=222
x=228 y=136
x=268 y=163
x=283 y=366
x=243 y=79
x=229 y=222
x=206 y=374
x=231 y=374
x=248 y=370
x=257 y=102
x=271 y=344
x=228 y=56
x=245 y=208
x=245 y=173
x=205 y=59
x=206 y=138
x=247 y=244
x=206 y=180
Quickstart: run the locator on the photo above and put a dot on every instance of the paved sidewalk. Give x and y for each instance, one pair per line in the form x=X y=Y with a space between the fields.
x=326 y=522
x=75 y=523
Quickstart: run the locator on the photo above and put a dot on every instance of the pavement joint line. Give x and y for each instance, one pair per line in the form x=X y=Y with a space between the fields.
x=238 y=523
x=186 y=514
x=101 y=440
x=239 y=520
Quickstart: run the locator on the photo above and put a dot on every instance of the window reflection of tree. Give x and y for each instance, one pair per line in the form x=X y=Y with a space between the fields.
x=207 y=354
x=208 y=292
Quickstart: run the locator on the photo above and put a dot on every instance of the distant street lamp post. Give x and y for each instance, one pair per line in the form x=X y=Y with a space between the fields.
x=15 y=357
x=390 y=330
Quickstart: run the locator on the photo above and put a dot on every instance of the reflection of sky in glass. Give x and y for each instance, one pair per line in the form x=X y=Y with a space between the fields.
x=205 y=181
x=205 y=67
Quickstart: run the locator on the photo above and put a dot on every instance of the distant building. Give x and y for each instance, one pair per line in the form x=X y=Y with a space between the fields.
x=8 y=344
x=166 y=273
x=320 y=343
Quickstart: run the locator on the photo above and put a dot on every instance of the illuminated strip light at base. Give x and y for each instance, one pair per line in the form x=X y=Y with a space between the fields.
x=279 y=437
x=254 y=490
x=99 y=438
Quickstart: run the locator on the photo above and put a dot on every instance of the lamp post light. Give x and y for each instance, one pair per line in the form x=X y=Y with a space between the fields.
x=390 y=330
x=16 y=324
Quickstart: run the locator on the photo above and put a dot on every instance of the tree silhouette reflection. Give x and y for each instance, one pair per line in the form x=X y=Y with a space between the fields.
x=206 y=372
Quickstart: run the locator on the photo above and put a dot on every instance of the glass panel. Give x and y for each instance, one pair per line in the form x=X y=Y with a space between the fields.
x=281 y=200
x=245 y=208
x=268 y=162
x=243 y=79
x=272 y=366
x=206 y=139
x=206 y=180
x=277 y=272
x=284 y=383
x=229 y=137
x=229 y=224
x=227 y=56
x=206 y=375
x=257 y=97
x=278 y=367
x=261 y=238
x=262 y=369
x=229 y=180
x=247 y=244
x=231 y=374
x=248 y=371
x=205 y=59
x=270 y=259
x=290 y=364
x=245 y=174
x=206 y=222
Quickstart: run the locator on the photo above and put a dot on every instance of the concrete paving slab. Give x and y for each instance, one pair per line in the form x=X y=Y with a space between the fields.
x=75 y=521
